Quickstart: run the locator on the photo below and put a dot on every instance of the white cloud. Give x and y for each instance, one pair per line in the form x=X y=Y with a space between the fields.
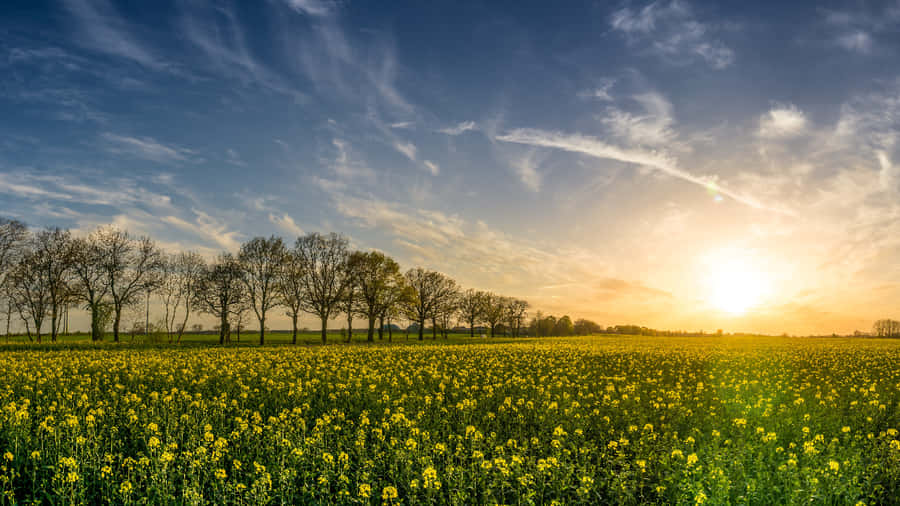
x=858 y=41
x=145 y=147
x=434 y=168
x=209 y=228
x=347 y=167
x=526 y=168
x=601 y=92
x=234 y=158
x=461 y=128
x=407 y=148
x=286 y=223
x=671 y=30
x=782 y=122
x=653 y=128
x=889 y=176
x=591 y=146
x=102 y=29
x=310 y=7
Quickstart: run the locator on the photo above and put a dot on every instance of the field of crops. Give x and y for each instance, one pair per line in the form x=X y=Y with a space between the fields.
x=604 y=419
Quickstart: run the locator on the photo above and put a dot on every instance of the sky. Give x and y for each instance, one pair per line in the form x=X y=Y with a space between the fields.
x=675 y=164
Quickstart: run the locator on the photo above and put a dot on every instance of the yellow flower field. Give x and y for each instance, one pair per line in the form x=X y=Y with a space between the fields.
x=624 y=420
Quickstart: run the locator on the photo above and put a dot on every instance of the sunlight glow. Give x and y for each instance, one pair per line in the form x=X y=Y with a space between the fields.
x=734 y=284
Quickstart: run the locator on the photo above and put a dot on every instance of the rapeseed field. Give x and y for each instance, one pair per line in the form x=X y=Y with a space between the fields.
x=625 y=420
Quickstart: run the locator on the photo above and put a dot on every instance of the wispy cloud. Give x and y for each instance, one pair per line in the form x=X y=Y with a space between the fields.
x=601 y=91
x=672 y=30
x=347 y=167
x=407 y=148
x=145 y=147
x=234 y=158
x=858 y=41
x=652 y=159
x=209 y=228
x=219 y=36
x=311 y=7
x=855 y=30
x=459 y=129
x=653 y=127
x=286 y=223
x=782 y=122
x=526 y=169
x=102 y=29
x=432 y=167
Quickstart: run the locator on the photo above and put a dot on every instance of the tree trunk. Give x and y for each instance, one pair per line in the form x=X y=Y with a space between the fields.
x=422 y=329
x=493 y=326
x=187 y=314
x=433 y=329
x=324 y=329
x=371 y=336
x=53 y=318
x=390 y=329
x=95 y=317
x=294 y=327
x=262 y=331
x=223 y=327
x=349 y=326
x=381 y=326
x=116 y=319
x=472 y=328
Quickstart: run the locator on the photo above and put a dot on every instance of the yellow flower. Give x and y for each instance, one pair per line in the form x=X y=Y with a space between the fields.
x=8 y=456
x=833 y=465
x=389 y=493
x=221 y=474
x=365 y=490
x=692 y=459
x=125 y=488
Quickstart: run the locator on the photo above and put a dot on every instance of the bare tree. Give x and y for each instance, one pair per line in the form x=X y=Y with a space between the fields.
x=261 y=259
x=31 y=292
x=90 y=284
x=494 y=310
x=471 y=308
x=220 y=291
x=517 y=311
x=12 y=235
x=131 y=267
x=429 y=290
x=290 y=287
x=181 y=274
x=447 y=311
x=887 y=328
x=377 y=277
x=323 y=260
x=51 y=256
x=393 y=305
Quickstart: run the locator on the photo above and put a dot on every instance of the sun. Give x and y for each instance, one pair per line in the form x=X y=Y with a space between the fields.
x=734 y=285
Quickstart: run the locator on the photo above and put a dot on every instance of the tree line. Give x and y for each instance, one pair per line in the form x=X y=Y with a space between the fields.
x=44 y=272
x=886 y=328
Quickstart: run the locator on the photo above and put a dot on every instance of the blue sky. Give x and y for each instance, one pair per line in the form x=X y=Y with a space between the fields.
x=618 y=161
